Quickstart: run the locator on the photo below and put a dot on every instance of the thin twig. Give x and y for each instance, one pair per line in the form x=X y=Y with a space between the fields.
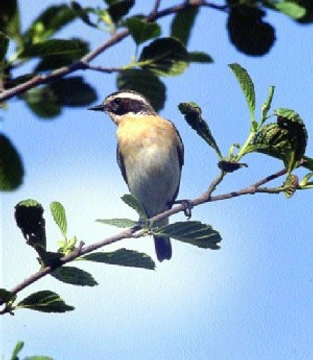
x=83 y=63
x=135 y=233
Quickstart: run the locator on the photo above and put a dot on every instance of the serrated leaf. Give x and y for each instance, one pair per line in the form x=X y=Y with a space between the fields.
x=285 y=140
x=11 y=166
x=134 y=203
x=48 y=23
x=200 y=57
x=59 y=216
x=164 y=57
x=74 y=276
x=6 y=296
x=18 y=347
x=191 y=232
x=120 y=223
x=291 y=9
x=73 y=48
x=193 y=115
x=45 y=301
x=183 y=23
x=141 y=30
x=246 y=85
x=123 y=257
x=144 y=82
x=291 y=122
x=29 y=218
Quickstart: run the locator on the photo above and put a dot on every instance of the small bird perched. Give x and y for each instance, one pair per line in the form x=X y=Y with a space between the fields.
x=150 y=154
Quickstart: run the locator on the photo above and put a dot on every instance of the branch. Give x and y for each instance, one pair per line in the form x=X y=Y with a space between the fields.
x=83 y=63
x=135 y=232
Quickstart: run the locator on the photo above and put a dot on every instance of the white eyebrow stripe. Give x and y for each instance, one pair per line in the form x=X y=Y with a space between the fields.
x=129 y=95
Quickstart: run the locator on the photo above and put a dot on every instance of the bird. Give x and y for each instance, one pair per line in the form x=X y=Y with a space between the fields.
x=150 y=155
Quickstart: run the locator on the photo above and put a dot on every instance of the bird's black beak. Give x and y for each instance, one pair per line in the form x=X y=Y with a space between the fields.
x=97 y=107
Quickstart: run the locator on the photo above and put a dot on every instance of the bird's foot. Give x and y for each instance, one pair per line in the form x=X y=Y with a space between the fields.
x=187 y=205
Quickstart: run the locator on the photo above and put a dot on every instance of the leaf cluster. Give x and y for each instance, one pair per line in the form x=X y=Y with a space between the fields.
x=30 y=220
x=45 y=90
x=286 y=139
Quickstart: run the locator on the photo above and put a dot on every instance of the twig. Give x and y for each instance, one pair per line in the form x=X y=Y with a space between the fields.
x=83 y=63
x=135 y=233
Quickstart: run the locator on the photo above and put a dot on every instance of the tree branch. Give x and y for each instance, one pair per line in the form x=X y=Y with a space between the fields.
x=136 y=233
x=83 y=63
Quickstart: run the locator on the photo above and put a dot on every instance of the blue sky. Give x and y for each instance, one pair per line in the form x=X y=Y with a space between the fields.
x=252 y=299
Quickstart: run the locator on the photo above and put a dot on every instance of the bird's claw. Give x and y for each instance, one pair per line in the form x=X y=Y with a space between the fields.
x=187 y=205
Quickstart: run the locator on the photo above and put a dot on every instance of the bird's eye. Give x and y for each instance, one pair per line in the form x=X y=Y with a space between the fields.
x=117 y=101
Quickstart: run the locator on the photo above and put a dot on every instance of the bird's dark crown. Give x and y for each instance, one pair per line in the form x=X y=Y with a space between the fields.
x=127 y=101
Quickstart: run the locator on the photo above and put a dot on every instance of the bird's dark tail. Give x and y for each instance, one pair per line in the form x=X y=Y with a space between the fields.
x=163 y=248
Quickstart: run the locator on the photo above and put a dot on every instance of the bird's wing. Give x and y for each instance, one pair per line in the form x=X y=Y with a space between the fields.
x=121 y=164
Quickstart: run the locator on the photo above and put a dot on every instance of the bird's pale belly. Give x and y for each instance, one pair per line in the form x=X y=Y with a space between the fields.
x=153 y=177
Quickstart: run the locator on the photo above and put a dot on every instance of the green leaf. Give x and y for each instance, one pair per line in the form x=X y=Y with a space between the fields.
x=10 y=83
x=200 y=57
x=193 y=115
x=48 y=23
x=59 y=216
x=120 y=223
x=291 y=9
x=74 y=276
x=134 y=203
x=10 y=18
x=45 y=301
x=141 y=30
x=267 y=105
x=11 y=166
x=290 y=121
x=6 y=296
x=4 y=44
x=183 y=23
x=56 y=61
x=118 y=9
x=83 y=95
x=247 y=87
x=308 y=163
x=73 y=48
x=29 y=218
x=46 y=101
x=144 y=82
x=291 y=184
x=305 y=183
x=82 y=13
x=18 y=347
x=42 y=102
x=122 y=257
x=165 y=57
x=191 y=232
x=285 y=140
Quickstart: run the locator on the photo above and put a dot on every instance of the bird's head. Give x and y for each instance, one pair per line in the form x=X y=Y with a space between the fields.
x=125 y=102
